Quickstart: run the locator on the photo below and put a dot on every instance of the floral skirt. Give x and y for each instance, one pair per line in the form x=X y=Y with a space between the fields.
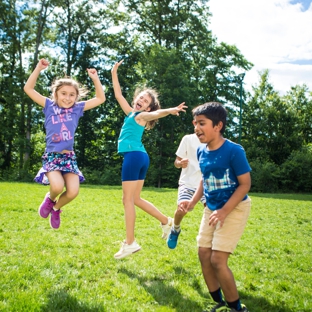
x=58 y=162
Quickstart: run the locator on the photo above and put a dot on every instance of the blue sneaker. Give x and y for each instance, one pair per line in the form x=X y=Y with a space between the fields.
x=172 y=240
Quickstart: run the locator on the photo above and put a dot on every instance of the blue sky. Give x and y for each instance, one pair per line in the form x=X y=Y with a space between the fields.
x=272 y=34
x=305 y=4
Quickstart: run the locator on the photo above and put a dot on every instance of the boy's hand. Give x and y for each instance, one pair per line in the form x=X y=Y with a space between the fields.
x=184 y=162
x=185 y=206
x=92 y=73
x=217 y=216
x=43 y=64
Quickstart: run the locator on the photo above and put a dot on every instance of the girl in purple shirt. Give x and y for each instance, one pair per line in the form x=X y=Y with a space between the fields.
x=62 y=114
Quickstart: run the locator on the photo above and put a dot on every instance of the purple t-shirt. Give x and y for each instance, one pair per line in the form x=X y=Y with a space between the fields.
x=61 y=124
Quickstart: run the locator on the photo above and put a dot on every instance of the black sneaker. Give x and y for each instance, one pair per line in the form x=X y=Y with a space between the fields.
x=219 y=307
x=244 y=309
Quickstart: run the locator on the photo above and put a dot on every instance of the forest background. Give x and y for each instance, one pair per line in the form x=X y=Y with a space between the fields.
x=167 y=45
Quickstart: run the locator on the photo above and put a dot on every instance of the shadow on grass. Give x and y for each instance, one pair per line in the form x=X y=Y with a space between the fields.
x=259 y=304
x=61 y=301
x=168 y=296
x=254 y=304
x=163 y=294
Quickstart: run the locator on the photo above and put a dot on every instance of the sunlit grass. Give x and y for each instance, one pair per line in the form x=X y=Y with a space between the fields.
x=73 y=268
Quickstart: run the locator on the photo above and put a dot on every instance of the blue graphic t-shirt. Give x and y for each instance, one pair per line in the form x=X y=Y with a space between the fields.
x=220 y=169
x=61 y=124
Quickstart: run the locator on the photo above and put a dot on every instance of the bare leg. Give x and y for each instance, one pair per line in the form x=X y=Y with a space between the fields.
x=57 y=183
x=178 y=216
x=210 y=277
x=147 y=206
x=72 y=190
x=129 y=188
x=219 y=262
x=131 y=198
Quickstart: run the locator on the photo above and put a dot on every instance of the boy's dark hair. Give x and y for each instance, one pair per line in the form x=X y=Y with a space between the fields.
x=213 y=111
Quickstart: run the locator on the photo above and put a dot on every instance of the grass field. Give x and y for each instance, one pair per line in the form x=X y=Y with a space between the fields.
x=73 y=268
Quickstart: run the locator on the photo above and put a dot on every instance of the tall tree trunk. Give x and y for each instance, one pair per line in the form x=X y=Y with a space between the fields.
x=42 y=17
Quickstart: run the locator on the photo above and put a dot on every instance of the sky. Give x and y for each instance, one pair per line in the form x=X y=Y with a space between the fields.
x=272 y=34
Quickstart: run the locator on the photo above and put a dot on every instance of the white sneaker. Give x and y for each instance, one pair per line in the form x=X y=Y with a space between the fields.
x=166 y=228
x=127 y=250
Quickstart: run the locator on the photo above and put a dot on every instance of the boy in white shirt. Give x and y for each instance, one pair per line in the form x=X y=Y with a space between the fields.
x=188 y=182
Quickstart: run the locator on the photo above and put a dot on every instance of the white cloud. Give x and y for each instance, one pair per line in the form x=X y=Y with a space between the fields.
x=272 y=34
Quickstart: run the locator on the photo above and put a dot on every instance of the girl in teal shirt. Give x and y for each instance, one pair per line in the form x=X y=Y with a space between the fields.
x=143 y=114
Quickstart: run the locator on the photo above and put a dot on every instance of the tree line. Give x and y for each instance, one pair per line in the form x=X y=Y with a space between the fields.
x=165 y=44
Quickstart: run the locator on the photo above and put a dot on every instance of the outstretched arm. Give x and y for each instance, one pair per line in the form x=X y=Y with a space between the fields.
x=117 y=90
x=29 y=87
x=160 y=113
x=99 y=92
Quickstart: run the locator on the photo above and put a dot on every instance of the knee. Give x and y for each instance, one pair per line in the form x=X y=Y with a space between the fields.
x=137 y=201
x=180 y=213
x=204 y=254
x=57 y=189
x=126 y=201
x=217 y=262
x=72 y=193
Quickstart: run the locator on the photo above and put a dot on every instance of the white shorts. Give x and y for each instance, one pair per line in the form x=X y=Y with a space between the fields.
x=186 y=193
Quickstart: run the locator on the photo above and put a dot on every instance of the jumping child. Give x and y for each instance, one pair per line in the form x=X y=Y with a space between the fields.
x=62 y=114
x=143 y=114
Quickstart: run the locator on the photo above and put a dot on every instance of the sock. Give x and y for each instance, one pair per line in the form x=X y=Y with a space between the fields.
x=177 y=228
x=55 y=209
x=217 y=295
x=235 y=305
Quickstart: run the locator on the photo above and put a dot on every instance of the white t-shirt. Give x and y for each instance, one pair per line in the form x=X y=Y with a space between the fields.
x=191 y=175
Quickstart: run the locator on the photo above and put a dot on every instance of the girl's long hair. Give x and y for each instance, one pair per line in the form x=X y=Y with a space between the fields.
x=155 y=105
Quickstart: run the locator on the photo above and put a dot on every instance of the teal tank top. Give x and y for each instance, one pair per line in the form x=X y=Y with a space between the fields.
x=130 y=137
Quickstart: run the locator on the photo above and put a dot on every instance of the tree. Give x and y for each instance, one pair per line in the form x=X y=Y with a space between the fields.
x=184 y=62
x=267 y=134
x=299 y=100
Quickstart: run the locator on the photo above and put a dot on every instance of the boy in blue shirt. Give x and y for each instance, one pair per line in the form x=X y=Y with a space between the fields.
x=225 y=184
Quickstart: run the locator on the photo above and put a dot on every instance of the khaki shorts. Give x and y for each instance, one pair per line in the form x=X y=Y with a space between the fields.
x=224 y=238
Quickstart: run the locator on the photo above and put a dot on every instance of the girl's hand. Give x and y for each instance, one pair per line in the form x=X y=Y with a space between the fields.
x=43 y=64
x=178 y=109
x=92 y=73
x=115 y=67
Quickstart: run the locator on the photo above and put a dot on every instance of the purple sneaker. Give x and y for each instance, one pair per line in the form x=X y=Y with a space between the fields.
x=46 y=206
x=55 y=219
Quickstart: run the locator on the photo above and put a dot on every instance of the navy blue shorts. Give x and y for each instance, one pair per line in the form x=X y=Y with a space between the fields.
x=134 y=166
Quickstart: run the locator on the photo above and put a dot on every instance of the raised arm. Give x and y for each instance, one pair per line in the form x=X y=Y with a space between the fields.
x=29 y=87
x=117 y=90
x=99 y=92
x=160 y=113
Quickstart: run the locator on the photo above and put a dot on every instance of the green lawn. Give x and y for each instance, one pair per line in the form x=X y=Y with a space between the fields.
x=73 y=268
